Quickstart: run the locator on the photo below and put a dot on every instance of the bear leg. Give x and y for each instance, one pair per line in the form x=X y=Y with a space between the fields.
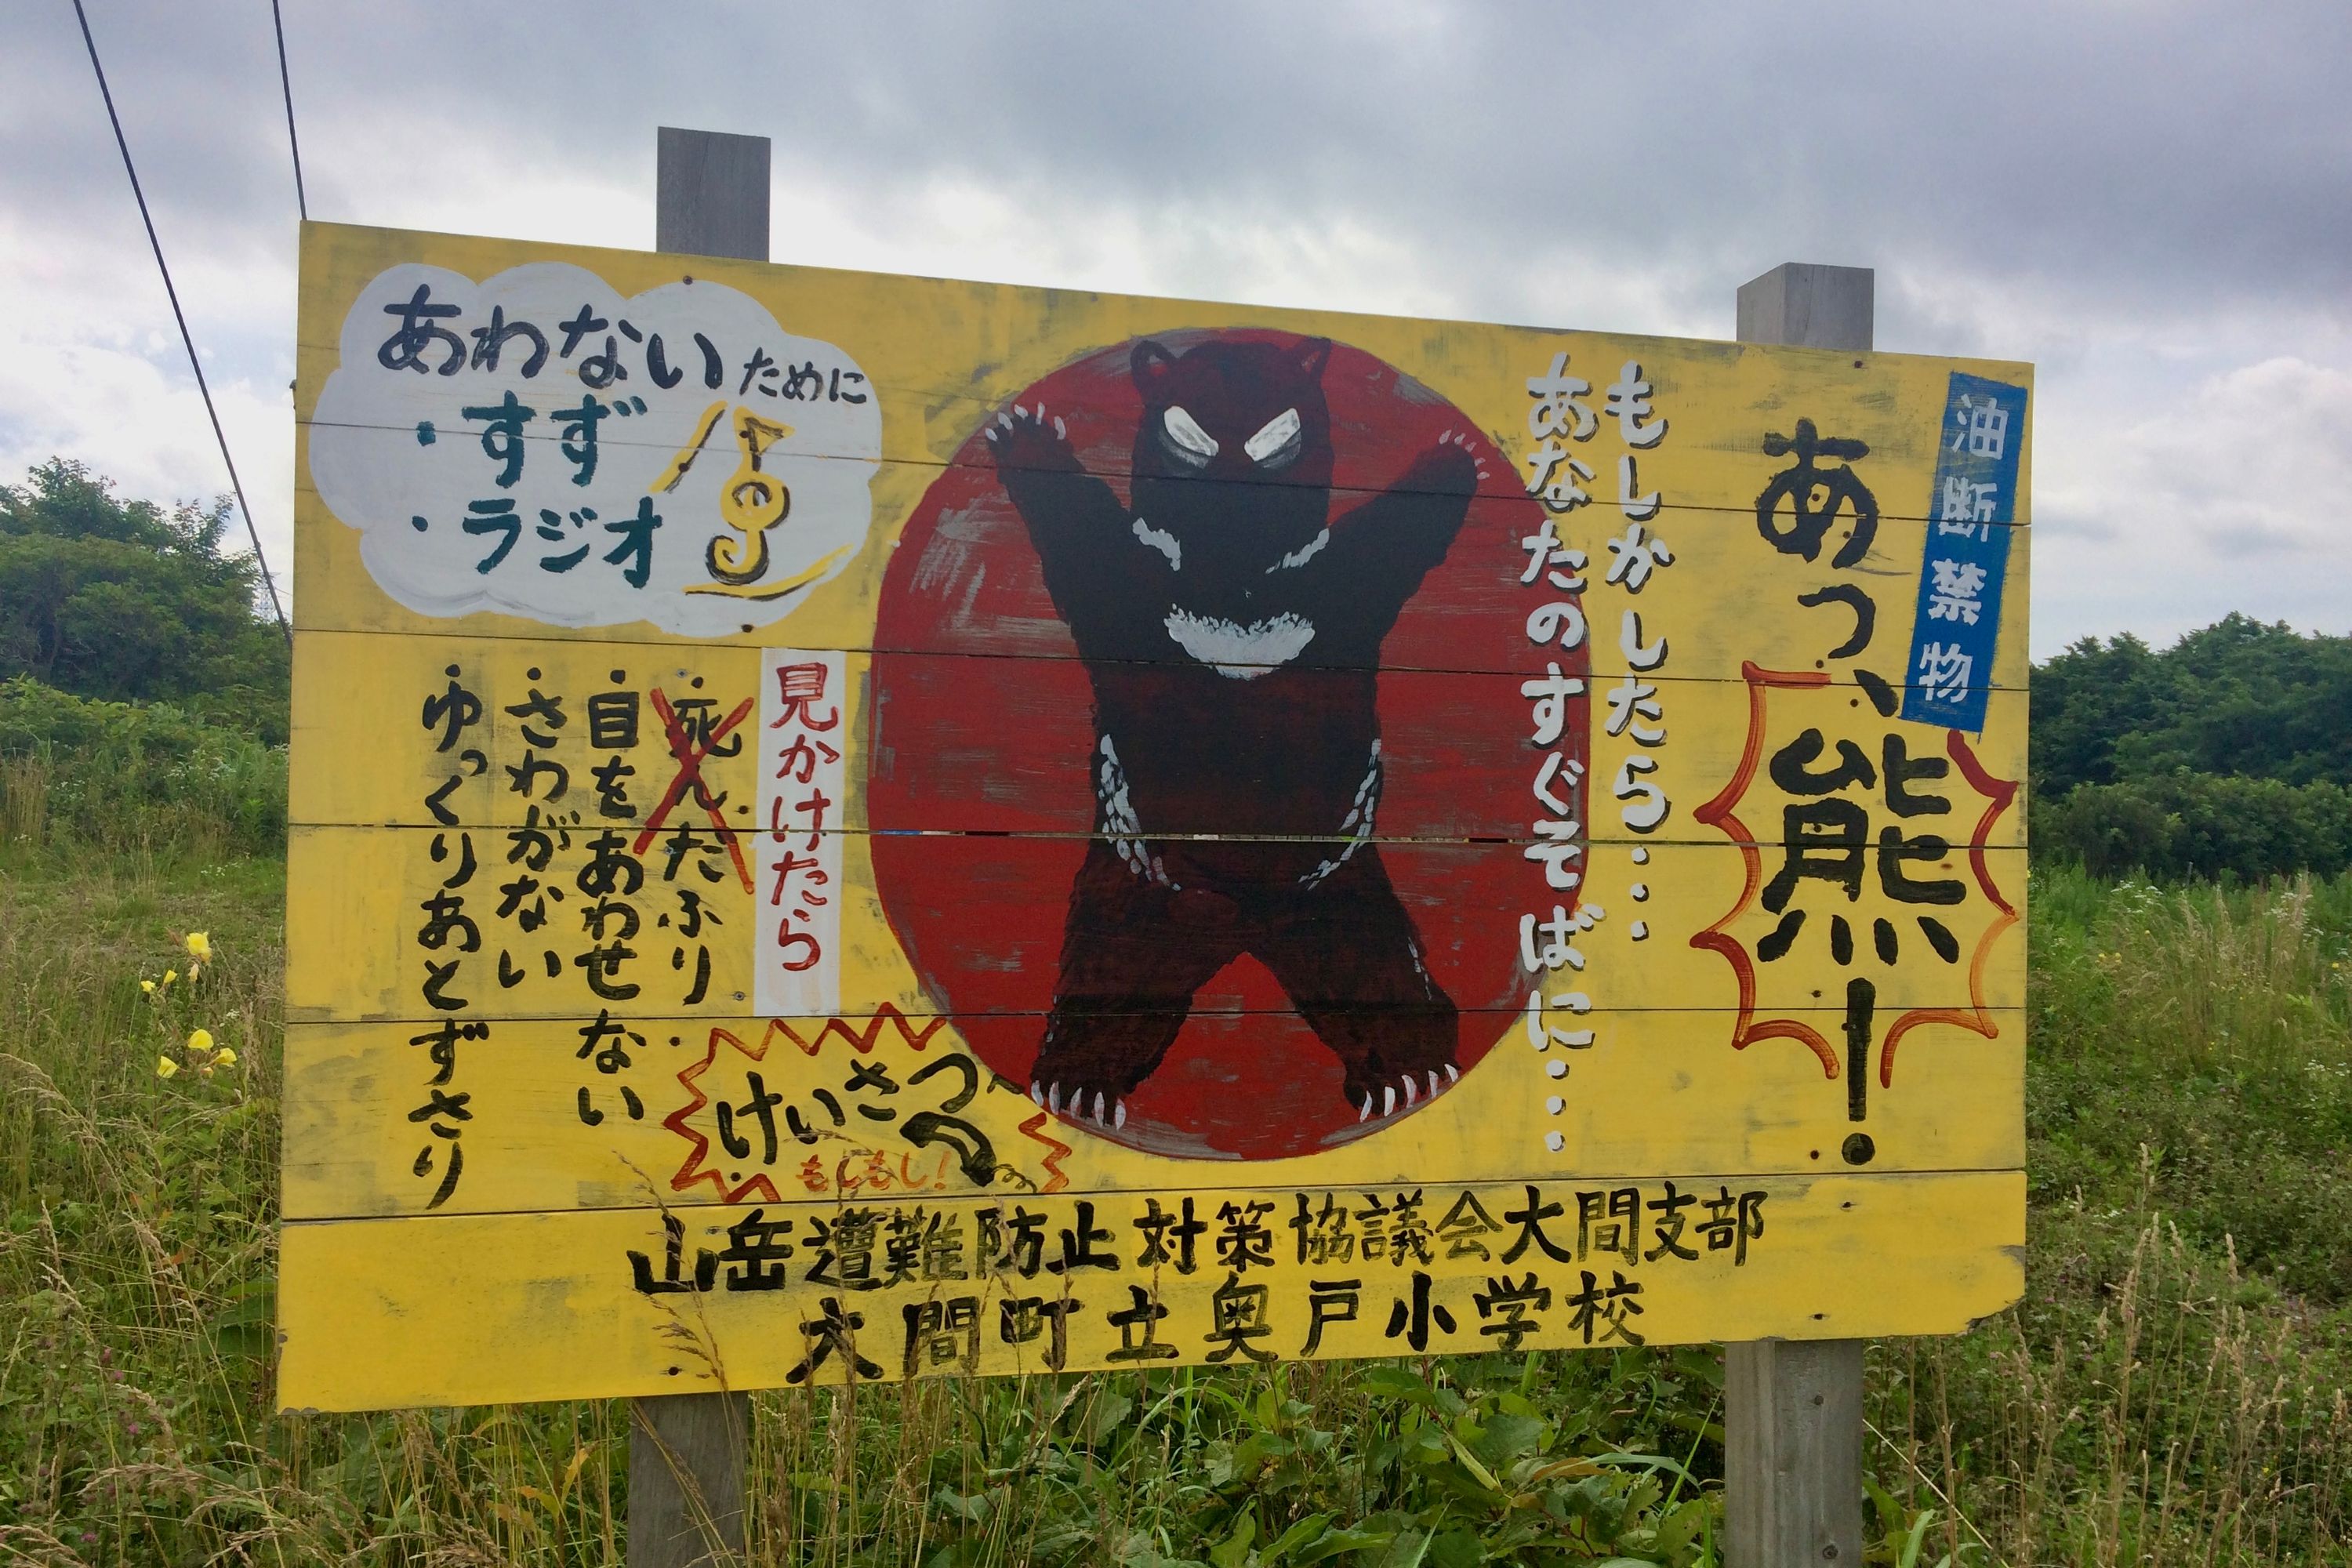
x=1349 y=956
x=1130 y=963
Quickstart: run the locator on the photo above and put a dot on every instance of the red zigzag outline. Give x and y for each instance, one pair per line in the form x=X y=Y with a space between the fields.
x=1720 y=814
x=861 y=1039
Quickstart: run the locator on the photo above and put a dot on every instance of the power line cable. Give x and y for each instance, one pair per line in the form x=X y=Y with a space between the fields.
x=286 y=81
x=186 y=338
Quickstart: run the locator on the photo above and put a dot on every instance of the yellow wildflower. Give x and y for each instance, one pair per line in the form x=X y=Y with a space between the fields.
x=170 y=976
x=165 y=1067
x=148 y=986
x=200 y=946
x=201 y=1042
x=225 y=1057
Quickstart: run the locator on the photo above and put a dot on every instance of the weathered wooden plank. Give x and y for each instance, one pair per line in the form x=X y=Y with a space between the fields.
x=862 y=1104
x=1472 y=619
x=464 y=1310
x=975 y=465
x=913 y=338
x=959 y=743
x=370 y=919
x=975 y=585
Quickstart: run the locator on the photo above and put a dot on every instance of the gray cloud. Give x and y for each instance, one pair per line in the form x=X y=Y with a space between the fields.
x=2149 y=199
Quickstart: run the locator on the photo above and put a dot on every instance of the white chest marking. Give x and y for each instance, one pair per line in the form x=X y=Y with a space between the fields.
x=1162 y=541
x=1302 y=555
x=1239 y=652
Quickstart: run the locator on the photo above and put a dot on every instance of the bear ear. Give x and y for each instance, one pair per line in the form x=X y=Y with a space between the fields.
x=1152 y=363
x=1310 y=354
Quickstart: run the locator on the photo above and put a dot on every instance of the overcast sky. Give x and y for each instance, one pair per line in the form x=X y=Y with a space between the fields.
x=2151 y=201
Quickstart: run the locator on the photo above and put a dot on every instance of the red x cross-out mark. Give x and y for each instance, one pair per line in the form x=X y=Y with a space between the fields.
x=690 y=759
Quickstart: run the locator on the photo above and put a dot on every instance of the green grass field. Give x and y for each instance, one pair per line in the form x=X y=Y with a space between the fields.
x=2172 y=1390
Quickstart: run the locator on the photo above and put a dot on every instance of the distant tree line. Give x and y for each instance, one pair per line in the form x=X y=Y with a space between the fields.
x=2228 y=754
x=125 y=602
x=143 y=697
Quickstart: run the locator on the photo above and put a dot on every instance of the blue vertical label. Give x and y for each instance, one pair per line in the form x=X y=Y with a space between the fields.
x=1957 y=624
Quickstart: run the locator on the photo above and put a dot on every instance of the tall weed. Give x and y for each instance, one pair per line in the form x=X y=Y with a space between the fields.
x=2147 y=1404
x=2170 y=1392
x=2210 y=1028
x=79 y=775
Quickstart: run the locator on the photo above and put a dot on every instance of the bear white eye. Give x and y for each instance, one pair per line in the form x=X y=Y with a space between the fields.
x=1277 y=443
x=1186 y=438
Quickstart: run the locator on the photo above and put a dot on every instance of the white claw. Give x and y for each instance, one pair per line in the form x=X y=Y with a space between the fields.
x=1000 y=419
x=1099 y=1109
x=1054 y=1099
x=1059 y=429
x=1409 y=1095
x=1119 y=1114
x=1366 y=1113
x=1387 y=1101
x=1432 y=1083
x=1453 y=1073
x=1037 y=1093
x=1023 y=412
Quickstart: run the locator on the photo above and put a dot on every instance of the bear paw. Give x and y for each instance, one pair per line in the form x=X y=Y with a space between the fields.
x=1376 y=1099
x=1030 y=438
x=1451 y=466
x=1105 y=1108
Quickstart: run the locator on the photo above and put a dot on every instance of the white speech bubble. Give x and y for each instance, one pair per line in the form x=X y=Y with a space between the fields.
x=755 y=456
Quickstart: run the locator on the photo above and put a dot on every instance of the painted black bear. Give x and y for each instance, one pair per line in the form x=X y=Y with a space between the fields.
x=1232 y=634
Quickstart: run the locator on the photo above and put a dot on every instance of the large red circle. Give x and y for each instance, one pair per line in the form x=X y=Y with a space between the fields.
x=981 y=720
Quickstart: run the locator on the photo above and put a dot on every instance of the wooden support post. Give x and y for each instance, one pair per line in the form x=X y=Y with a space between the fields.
x=1792 y=1408
x=686 y=1450
x=1792 y=1453
x=1807 y=306
x=685 y=1478
x=711 y=194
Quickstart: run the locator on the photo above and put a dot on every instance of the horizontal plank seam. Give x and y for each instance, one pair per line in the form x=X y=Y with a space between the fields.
x=1068 y=1194
x=310 y=1019
x=552 y=637
x=1745 y=510
x=1431 y=841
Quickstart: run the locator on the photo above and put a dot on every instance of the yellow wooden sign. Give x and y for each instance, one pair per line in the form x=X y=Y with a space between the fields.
x=852 y=826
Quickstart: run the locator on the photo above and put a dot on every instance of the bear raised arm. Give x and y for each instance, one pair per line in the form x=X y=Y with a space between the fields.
x=1094 y=570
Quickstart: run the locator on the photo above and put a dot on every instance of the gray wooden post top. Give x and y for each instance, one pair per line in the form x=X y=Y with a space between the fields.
x=1810 y=306
x=710 y=196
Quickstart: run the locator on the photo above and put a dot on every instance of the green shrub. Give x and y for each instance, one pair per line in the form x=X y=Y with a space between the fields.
x=2238 y=697
x=142 y=777
x=126 y=602
x=2185 y=824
